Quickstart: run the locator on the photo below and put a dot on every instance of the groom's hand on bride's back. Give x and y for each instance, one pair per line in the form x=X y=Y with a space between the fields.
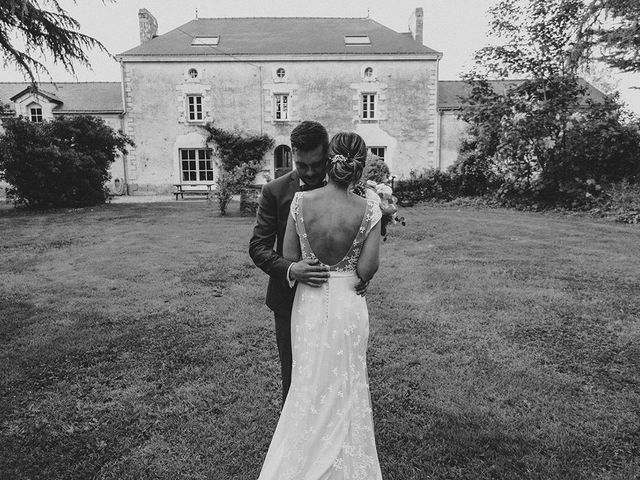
x=361 y=288
x=310 y=272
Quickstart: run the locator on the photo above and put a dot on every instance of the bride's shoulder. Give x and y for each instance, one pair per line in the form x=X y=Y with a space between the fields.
x=360 y=201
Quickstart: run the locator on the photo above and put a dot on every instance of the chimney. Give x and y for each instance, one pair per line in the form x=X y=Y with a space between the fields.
x=416 y=25
x=148 y=25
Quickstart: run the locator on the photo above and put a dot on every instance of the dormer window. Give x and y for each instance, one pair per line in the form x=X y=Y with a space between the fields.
x=35 y=113
x=357 y=40
x=205 y=41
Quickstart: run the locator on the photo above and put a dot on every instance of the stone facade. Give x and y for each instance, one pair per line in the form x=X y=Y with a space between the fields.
x=452 y=132
x=248 y=89
x=242 y=96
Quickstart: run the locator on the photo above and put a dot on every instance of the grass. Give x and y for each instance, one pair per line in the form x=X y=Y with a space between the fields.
x=134 y=344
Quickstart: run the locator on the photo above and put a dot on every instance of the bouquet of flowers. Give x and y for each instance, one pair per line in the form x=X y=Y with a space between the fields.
x=383 y=194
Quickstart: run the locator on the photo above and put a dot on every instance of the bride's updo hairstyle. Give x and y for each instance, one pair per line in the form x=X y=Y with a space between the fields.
x=347 y=156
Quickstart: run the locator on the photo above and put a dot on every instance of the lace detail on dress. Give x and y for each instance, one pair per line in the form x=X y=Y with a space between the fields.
x=326 y=431
x=376 y=216
x=295 y=208
x=371 y=216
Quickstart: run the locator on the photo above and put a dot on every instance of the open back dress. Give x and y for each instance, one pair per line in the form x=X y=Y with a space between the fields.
x=325 y=431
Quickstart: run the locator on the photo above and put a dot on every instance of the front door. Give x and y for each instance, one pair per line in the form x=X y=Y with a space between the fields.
x=281 y=160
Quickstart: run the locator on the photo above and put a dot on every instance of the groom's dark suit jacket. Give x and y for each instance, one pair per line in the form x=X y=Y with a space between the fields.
x=271 y=223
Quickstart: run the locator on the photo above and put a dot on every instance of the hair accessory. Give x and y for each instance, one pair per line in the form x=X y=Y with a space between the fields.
x=337 y=158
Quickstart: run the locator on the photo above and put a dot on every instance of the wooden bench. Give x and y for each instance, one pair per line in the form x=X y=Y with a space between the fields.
x=183 y=189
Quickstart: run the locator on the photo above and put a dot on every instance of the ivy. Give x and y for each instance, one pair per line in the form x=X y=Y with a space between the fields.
x=240 y=158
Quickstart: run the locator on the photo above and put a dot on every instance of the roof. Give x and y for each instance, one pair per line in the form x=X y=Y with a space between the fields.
x=273 y=36
x=80 y=97
x=30 y=88
x=451 y=92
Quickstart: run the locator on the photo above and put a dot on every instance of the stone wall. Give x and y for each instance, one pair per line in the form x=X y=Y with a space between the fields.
x=452 y=132
x=241 y=95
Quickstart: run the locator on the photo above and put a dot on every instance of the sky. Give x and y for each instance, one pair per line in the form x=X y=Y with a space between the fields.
x=454 y=27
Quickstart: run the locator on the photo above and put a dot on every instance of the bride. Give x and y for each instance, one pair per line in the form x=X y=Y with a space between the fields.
x=325 y=431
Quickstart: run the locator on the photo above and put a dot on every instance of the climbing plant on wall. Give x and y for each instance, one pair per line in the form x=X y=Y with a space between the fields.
x=240 y=157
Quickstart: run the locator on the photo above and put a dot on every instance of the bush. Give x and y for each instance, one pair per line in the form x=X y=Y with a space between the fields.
x=473 y=174
x=62 y=163
x=240 y=159
x=600 y=147
x=430 y=184
x=620 y=200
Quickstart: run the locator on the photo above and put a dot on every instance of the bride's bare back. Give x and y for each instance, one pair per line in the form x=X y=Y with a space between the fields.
x=332 y=218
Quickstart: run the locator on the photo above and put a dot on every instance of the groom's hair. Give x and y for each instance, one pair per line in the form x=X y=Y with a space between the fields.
x=308 y=135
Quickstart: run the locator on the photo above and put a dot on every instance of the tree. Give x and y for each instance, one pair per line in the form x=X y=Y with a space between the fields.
x=5 y=108
x=516 y=134
x=62 y=163
x=51 y=32
x=525 y=136
x=241 y=157
x=618 y=32
x=539 y=38
x=563 y=36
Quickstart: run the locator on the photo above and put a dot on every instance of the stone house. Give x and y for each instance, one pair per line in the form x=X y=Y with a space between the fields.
x=265 y=75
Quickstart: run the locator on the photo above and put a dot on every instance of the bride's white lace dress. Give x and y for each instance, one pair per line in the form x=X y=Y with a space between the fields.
x=325 y=431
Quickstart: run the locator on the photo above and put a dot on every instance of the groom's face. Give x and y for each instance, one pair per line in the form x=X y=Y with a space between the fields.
x=311 y=165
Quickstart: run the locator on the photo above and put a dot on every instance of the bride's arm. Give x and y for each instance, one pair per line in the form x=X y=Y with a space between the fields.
x=370 y=255
x=291 y=245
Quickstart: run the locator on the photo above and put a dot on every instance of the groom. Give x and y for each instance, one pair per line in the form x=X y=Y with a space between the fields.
x=309 y=142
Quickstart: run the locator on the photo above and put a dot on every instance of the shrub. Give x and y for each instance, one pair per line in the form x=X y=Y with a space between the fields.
x=61 y=163
x=620 y=200
x=240 y=159
x=473 y=173
x=600 y=147
x=430 y=184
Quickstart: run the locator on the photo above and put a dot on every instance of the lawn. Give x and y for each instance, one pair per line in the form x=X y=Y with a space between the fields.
x=134 y=344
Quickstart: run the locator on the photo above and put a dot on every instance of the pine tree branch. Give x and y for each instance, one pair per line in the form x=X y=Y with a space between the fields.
x=45 y=28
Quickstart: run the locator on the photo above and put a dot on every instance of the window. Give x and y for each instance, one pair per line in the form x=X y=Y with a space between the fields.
x=357 y=40
x=35 y=113
x=368 y=106
x=281 y=72
x=194 y=104
x=205 y=41
x=368 y=73
x=378 y=151
x=282 y=160
x=196 y=165
x=282 y=106
x=193 y=73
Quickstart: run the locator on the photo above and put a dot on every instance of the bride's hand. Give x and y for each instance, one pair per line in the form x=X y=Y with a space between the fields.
x=310 y=272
